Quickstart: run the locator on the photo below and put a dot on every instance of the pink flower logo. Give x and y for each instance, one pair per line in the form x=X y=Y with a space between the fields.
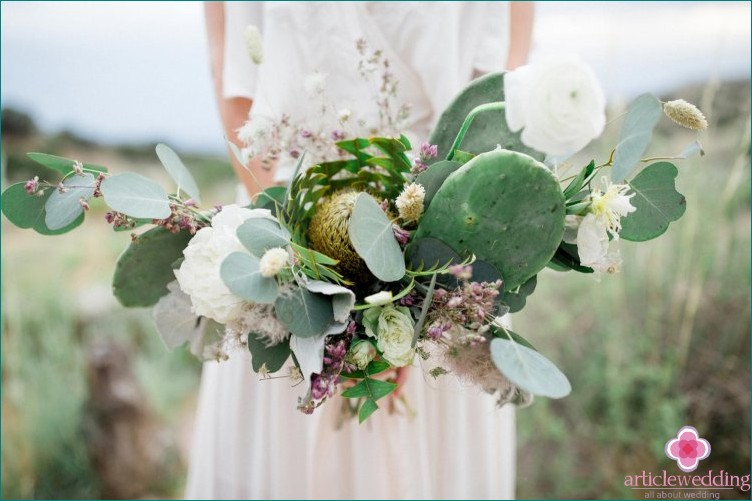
x=687 y=449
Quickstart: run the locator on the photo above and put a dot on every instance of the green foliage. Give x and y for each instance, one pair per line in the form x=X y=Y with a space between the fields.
x=516 y=299
x=567 y=258
x=432 y=178
x=373 y=239
x=304 y=313
x=370 y=390
x=374 y=367
x=178 y=171
x=136 y=196
x=63 y=165
x=28 y=211
x=657 y=203
x=241 y=274
x=487 y=130
x=273 y=357
x=528 y=369
x=582 y=178
x=271 y=198
x=642 y=116
x=502 y=206
x=64 y=207
x=144 y=269
x=259 y=234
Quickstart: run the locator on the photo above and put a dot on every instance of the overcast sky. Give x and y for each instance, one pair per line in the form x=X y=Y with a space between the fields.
x=122 y=72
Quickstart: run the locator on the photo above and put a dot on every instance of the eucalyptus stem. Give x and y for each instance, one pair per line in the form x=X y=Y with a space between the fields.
x=500 y=105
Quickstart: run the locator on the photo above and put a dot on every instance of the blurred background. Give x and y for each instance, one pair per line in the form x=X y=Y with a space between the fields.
x=94 y=406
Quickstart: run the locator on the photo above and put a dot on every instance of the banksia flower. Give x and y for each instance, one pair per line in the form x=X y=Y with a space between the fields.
x=685 y=114
x=410 y=202
x=328 y=233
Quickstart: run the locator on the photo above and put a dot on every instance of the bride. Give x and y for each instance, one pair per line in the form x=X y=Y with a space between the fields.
x=250 y=441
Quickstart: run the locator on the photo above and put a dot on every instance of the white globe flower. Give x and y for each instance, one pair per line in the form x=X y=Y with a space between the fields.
x=198 y=275
x=394 y=335
x=273 y=261
x=559 y=105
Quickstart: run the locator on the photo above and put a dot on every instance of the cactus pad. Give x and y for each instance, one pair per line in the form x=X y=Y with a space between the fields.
x=504 y=207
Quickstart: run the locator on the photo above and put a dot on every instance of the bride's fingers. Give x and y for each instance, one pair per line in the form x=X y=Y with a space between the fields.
x=401 y=379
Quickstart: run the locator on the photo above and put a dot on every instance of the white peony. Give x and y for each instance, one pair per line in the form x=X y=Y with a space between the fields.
x=559 y=105
x=198 y=275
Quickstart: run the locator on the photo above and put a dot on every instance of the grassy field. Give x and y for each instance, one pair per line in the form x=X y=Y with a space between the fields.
x=663 y=344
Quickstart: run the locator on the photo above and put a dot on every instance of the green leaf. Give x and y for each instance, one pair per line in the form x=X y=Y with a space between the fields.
x=61 y=164
x=259 y=234
x=375 y=367
x=27 y=211
x=432 y=178
x=657 y=203
x=241 y=274
x=304 y=313
x=642 y=116
x=145 y=268
x=567 y=258
x=516 y=299
x=178 y=171
x=274 y=357
x=370 y=388
x=373 y=239
x=528 y=369
x=578 y=182
x=271 y=198
x=462 y=157
x=369 y=407
x=487 y=130
x=64 y=208
x=136 y=196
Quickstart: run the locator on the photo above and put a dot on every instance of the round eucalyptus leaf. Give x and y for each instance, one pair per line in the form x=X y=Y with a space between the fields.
x=528 y=369
x=259 y=234
x=63 y=208
x=136 y=196
x=178 y=171
x=373 y=239
x=241 y=274
x=304 y=313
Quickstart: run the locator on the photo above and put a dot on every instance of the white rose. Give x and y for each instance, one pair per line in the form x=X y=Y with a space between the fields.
x=361 y=354
x=394 y=334
x=198 y=275
x=559 y=105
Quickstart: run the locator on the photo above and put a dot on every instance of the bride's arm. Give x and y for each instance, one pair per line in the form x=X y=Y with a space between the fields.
x=233 y=111
x=521 y=32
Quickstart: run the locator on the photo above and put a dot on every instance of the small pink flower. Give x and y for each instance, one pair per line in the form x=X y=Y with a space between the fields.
x=687 y=449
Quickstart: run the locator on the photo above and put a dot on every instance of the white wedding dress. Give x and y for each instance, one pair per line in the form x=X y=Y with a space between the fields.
x=250 y=441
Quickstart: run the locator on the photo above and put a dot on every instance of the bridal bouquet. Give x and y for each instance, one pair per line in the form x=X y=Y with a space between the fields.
x=380 y=254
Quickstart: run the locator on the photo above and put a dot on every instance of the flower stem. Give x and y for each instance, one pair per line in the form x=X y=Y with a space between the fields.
x=469 y=120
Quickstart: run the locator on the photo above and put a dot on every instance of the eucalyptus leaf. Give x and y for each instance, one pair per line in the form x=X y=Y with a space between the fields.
x=174 y=318
x=259 y=234
x=373 y=239
x=63 y=208
x=242 y=275
x=304 y=313
x=273 y=357
x=309 y=353
x=144 y=270
x=178 y=171
x=61 y=164
x=27 y=211
x=528 y=369
x=136 y=196
x=642 y=116
x=343 y=299
x=657 y=203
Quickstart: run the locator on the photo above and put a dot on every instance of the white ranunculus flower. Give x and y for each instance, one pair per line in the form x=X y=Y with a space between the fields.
x=559 y=105
x=394 y=336
x=198 y=275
